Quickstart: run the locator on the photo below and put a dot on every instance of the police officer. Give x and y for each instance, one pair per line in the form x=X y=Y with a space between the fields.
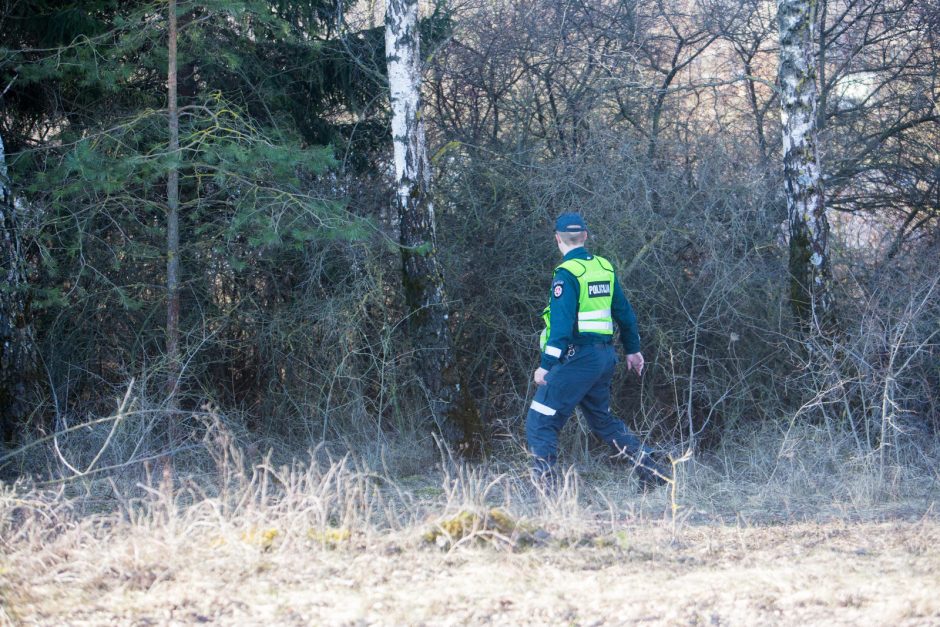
x=578 y=356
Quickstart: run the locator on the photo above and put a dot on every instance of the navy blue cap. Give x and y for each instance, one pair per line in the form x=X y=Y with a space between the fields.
x=570 y=223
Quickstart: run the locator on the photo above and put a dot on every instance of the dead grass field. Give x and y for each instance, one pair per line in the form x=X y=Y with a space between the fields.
x=333 y=541
x=833 y=573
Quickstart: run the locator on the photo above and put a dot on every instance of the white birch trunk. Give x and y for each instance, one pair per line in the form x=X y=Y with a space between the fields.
x=403 y=55
x=811 y=279
x=456 y=413
x=17 y=346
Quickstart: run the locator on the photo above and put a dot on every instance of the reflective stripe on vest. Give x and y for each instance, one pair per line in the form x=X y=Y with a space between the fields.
x=599 y=326
x=600 y=314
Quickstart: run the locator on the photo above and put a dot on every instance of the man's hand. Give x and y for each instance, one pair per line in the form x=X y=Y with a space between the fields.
x=635 y=362
x=539 y=376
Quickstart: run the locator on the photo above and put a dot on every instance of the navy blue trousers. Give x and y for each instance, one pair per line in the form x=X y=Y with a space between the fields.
x=581 y=379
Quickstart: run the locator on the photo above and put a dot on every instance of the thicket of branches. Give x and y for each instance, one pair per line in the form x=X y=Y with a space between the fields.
x=656 y=119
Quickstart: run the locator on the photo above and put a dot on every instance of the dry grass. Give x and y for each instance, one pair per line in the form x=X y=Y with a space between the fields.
x=765 y=532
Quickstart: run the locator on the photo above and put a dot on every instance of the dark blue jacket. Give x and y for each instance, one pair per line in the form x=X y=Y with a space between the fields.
x=564 y=314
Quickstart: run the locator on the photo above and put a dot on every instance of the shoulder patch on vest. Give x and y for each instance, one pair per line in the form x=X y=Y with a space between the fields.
x=606 y=265
x=558 y=288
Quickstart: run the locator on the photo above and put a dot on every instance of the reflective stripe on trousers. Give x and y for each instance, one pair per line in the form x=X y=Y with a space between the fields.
x=542 y=409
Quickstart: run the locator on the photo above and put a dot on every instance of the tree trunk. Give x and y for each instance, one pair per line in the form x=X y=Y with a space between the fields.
x=810 y=274
x=17 y=346
x=455 y=411
x=172 y=231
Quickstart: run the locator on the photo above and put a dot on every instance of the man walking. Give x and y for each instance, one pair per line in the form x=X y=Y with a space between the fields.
x=578 y=357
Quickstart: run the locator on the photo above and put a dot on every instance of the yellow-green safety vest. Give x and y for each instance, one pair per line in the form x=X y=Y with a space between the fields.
x=595 y=278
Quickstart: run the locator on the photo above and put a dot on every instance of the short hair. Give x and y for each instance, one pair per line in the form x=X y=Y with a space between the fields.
x=570 y=239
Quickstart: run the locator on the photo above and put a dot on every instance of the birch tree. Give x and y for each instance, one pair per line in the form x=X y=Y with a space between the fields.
x=810 y=274
x=423 y=279
x=17 y=350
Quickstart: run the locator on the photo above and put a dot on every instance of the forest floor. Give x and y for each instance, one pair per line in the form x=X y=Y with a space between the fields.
x=332 y=541
x=837 y=573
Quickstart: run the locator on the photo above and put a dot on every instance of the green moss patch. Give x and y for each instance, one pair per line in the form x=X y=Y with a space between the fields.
x=492 y=526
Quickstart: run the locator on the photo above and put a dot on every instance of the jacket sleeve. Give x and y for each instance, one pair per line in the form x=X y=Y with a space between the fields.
x=563 y=308
x=623 y=314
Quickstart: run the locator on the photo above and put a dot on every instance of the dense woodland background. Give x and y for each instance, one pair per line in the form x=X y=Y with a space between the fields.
x=658 y=119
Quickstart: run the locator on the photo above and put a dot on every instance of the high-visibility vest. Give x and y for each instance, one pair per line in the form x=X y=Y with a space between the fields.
x=595 y=278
